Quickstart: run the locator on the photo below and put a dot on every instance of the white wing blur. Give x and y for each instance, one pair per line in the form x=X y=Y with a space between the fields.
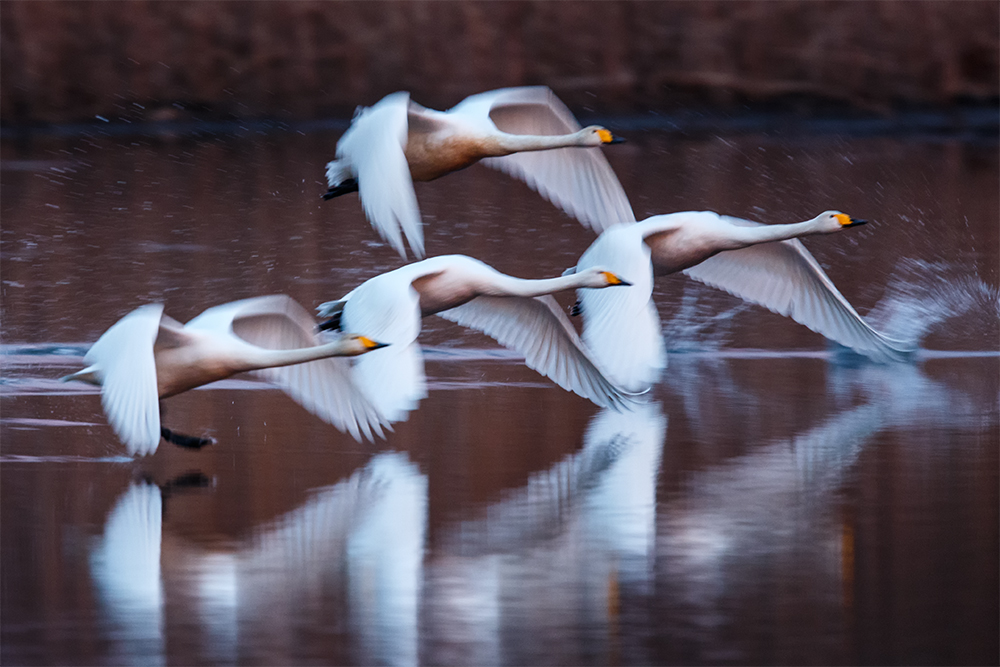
x=578 y=180
x=387 y=309
x=786 y=279
x=123 y=357
x=621 y=326
x=537 y=328
x=374 y=145
x=324 y=387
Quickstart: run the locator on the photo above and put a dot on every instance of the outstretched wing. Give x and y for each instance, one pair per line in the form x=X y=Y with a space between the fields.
x=786 y=279
x=537 y=328
x=578 y=180
x=324 y=387
x=375 y=145
x=124 y=361
x=621 y=326
x=391 y=378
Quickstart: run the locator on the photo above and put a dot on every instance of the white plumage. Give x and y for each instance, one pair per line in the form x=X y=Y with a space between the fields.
x=525 y=132
x=763 y=264
x=146 y=356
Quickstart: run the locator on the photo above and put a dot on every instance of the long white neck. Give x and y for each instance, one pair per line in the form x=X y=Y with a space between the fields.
x=520 y=143
x=260 y=358
x=509 y=286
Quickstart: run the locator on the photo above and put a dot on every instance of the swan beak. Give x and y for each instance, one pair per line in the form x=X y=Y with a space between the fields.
x=608 y=138
x=615 y=280
x=847 y=221
x=371 y=344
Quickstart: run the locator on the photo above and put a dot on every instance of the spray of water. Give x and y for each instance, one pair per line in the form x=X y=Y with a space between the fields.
x=936 y=297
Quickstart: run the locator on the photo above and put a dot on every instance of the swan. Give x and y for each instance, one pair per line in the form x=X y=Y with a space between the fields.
x=519 y=314
x=516 y=130
x=762 y=264
x=147 y=355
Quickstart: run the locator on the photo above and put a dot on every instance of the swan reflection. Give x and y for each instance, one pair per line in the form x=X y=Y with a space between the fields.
x=360 y=541
x=555 y=551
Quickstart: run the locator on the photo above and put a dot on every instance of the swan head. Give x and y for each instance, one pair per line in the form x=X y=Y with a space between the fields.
x=598 y=278
x=834 y=221
x=595 y=135
x=353 y=345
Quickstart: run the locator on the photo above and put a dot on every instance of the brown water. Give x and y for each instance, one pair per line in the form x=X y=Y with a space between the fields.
x=777 y=501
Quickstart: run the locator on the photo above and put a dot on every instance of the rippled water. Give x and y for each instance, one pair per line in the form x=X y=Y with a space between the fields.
x=777 y=501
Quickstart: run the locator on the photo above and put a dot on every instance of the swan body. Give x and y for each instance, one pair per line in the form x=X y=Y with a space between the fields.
x=762 y=264
x=518 y=313
x=526 y=132
x=147 y=356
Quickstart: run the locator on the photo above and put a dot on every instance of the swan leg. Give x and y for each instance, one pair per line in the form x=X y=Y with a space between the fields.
x=350 y=185
x=186 y=441
x=577 y=308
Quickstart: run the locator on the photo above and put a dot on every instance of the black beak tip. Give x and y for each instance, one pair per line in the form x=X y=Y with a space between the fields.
x=855 y=222
x=617 y=140
x=625 y=283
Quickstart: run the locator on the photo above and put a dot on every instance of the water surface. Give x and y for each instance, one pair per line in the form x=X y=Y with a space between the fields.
x=776 y=501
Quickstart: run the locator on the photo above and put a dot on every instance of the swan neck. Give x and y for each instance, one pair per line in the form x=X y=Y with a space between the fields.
x=274 y=358
x=530 y=288
x=520 y=143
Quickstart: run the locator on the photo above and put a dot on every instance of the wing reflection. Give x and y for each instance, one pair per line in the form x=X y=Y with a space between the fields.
x=125 y=568
x=557 y=550
x=770 y=525
x=359 y=542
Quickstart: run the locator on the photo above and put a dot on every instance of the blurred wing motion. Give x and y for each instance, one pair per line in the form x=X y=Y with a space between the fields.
x=537 y=328
x=375 y=145
x=578 y=180
x=621 y=326
x=324 y=387
x=392 y=378
x=123 y=357
x=786 y=279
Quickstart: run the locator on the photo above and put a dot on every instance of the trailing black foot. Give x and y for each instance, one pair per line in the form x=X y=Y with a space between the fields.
x=187 y=441
x=576 y=309
x=350 y=185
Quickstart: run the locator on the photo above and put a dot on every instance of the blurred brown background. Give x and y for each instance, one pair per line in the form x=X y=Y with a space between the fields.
x=142 y=60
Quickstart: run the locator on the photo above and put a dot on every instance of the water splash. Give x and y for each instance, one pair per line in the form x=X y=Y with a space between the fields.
x=924 y=296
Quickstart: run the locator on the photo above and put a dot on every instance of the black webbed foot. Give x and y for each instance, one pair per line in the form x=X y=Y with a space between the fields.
x=332 y=324
x=186 y=441
x=350 y=185
x=576 y=309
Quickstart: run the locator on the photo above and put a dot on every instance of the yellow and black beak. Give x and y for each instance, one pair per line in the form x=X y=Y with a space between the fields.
x=608 y=138
x=848 y=221
x=615 y=280
x=371 y=344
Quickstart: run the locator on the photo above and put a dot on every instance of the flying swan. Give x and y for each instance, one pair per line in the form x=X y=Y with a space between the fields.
x=519 y=314
x=147 y=355
x=526 y=132
x=762 y=264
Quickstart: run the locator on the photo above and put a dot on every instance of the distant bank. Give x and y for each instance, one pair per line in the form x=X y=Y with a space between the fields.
x=81 y=61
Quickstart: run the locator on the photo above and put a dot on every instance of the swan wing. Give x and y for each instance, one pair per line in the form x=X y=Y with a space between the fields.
x=387 y=308
x=786 y=279
x=324 y=387
x=621 y=326
x=123 y=357
x=375 y=145
x=578 y=180
x=537 y=328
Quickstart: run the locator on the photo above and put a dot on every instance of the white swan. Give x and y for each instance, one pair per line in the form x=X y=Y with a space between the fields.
x=763 y=264
x=516 y=130
x=518 y=313
x=147 y=355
